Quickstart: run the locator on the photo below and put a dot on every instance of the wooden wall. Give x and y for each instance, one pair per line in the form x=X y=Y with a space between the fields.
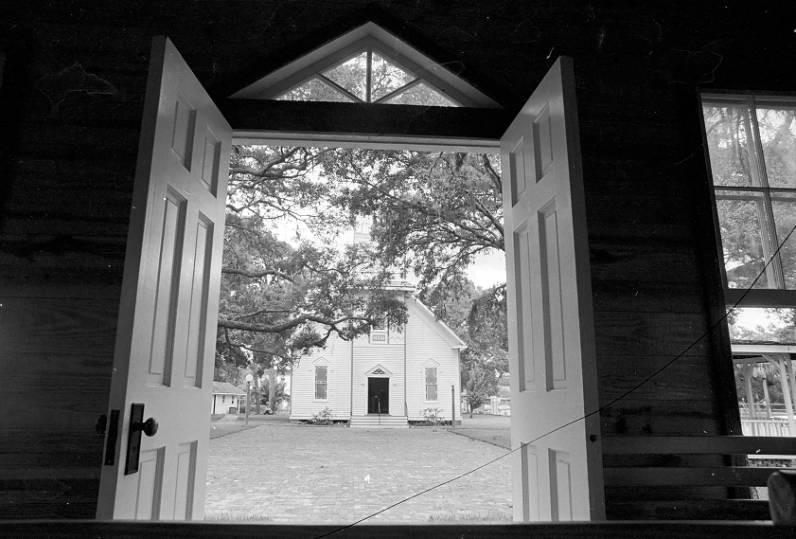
x=73 y=80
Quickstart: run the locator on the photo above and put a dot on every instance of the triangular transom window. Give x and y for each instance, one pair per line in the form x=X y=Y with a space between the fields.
x=367 y=65
x=368 y=77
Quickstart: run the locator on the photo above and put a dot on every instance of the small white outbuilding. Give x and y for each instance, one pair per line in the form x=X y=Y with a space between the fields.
x=226 y=397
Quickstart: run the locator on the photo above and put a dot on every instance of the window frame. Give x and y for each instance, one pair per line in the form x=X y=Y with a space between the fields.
x=756 y=297
x=369 y=36
x=321 y=383
x=435 y=385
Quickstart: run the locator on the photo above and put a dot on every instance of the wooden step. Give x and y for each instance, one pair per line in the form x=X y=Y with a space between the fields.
x=376 y=422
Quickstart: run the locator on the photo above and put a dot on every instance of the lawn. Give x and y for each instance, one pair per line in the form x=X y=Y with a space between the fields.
x=286 y=473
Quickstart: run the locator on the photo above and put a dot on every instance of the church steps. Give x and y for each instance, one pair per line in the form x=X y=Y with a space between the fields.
x=379 y=422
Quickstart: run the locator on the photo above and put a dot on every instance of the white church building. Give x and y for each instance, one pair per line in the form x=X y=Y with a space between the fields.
x=388 y=377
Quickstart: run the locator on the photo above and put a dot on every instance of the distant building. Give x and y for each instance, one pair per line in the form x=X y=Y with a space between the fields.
x=226 y=398
x=388 y=377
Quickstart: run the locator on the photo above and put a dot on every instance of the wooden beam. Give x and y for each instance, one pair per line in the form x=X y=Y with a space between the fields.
x=558 y=530
x=689 y=510
x=698 y=445
x=671 y=476
x=251 y=116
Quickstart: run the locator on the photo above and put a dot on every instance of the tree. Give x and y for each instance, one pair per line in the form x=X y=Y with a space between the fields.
x=750 y=230
x=430 y=213
x=479 y=382
x=277 y=299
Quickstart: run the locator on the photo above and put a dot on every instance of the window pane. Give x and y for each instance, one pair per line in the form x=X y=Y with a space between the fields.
x=351 y=75
x=320 y=382
x=431 y=383
x=729 y=139
x=314 y=90
x=741 y=240
x=762 y=325
x=386 y=77
x=785 y=220
x=421 y=94
x=778 y=138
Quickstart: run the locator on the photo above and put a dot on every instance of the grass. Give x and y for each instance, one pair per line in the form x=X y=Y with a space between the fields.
x=487 y=515
x=236 y=516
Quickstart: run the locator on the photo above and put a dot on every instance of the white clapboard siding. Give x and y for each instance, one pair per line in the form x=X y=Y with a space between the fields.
x=337 y=359
x=428 y=340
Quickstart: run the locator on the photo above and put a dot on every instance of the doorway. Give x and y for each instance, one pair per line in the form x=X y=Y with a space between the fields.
x=191 y=216
x=378 y=395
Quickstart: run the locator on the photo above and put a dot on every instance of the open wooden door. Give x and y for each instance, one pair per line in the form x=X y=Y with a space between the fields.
x=551 y=336
x=165 y=340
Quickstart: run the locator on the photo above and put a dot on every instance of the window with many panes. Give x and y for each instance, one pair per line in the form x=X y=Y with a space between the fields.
x=752 y=149
x=753 y=160
x=431 y=383
x=321 y=381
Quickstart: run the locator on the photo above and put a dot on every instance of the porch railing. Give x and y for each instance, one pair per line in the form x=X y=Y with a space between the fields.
x=775 y=426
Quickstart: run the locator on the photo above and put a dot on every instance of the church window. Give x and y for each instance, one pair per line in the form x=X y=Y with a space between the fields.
x=431 y=383
x=321 y=385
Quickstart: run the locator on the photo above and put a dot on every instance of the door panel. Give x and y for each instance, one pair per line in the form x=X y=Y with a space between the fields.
x=169 y=306
x=150 y=476
x=551 y=334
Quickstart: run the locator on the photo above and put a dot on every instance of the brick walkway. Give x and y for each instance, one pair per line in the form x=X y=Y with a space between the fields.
x=284 y=473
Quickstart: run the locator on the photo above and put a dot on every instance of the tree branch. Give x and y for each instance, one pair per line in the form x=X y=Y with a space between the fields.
x=256 y=274
x=289 y=324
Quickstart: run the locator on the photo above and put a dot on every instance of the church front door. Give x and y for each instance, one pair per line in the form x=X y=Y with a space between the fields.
x=378 y=395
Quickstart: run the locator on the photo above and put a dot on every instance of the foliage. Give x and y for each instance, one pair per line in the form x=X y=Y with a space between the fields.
x=279 y=395
x=479 y=381
x=277 y=299
x=763 y=373
x=433 y=416
x=751 y=229
x=760 y=325
x=430 y=214
x=323 y=417
x=229 y=372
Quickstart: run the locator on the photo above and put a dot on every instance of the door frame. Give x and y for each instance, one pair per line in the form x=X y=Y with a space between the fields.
x=379 y=377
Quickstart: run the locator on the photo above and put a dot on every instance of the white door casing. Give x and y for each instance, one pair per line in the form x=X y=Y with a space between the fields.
x=166 y=333
x=550 y=317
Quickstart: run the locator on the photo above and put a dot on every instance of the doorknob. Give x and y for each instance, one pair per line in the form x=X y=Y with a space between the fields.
x=148 y=427
x=137 y=426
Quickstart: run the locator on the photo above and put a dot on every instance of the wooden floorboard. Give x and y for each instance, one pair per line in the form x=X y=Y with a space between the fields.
x=605 y=530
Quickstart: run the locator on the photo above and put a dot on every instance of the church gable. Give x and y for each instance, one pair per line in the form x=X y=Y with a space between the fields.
x=439 y=328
